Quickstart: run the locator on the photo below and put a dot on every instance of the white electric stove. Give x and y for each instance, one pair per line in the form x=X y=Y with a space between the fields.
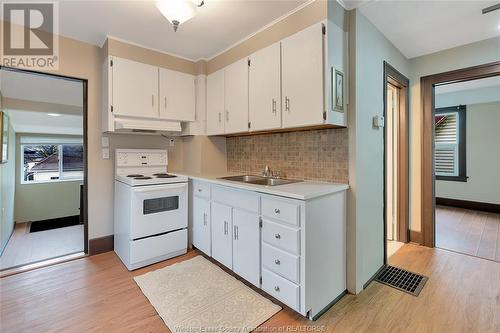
x=151 y=208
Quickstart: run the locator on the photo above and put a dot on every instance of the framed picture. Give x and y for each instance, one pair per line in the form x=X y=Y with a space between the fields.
x=338 y=90
x=4 y=137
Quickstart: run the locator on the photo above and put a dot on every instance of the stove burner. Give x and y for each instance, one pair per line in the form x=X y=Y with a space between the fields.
x=135 y=175
x=164 y=175
x=142 y=178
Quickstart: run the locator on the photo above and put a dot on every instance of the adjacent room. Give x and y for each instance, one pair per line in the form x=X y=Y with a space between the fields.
x=467 y=166
x=44 y=168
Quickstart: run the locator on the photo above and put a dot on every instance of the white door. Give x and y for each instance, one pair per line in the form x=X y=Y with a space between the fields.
x=246 y=246
x=236 y=97
x=201 y=224
x=302 y=78
x=265 y=88
x=135 y=89
x=177 y=95
x=222 y=243
x=215 y=103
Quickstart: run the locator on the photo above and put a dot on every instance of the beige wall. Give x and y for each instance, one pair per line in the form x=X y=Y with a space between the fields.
x=481 y=52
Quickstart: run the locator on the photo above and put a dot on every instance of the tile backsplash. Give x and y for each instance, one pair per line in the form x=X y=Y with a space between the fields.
x=319 y=155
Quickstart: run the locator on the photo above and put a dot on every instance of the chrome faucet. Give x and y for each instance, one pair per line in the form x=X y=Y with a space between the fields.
x=267 y=172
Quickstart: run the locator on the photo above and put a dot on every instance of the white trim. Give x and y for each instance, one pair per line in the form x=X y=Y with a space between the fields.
x=270 y=24
x=147 y=48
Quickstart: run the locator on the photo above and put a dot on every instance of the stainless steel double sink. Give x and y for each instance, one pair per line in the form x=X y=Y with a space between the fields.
x=259 y=180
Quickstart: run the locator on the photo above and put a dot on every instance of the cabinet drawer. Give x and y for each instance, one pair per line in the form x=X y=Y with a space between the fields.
x=158 y=246
x=281 y=289
x=242 y=199
x=281 y=262
x=201 y=189
x=281 y=236
x=281 y=209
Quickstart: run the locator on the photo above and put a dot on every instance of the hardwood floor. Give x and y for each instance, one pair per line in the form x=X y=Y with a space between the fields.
x=25 y=248
x=468 y=231
x=97 y=294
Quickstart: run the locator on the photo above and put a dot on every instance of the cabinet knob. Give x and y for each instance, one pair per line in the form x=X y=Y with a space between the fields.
x=276 y=288
x=277 y=211
x=277 y=236
x=199 y=190
x=277 y=262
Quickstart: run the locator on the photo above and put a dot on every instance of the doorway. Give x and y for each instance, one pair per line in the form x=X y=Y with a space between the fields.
x=44 y=172
x=431 y=171
x=396 y=160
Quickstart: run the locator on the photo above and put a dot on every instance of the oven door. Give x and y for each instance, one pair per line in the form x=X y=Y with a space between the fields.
x=158 y=209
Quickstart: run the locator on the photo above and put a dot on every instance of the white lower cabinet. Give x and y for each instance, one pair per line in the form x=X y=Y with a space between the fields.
x=222 y=234
x=246 y=245
x=295 y=250
x=201 y=224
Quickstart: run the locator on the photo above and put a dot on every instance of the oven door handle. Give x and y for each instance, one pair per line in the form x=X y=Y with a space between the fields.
x=153 y=189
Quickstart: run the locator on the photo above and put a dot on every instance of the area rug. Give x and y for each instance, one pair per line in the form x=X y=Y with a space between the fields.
x=198 y=296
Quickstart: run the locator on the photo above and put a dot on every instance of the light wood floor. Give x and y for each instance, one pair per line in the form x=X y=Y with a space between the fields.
x=97 y=294
x=468 y=231
x=25 y=248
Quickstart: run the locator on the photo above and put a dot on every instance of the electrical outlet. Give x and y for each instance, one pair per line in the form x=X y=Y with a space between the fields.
x=105 y=153
x=104 y=141
x=171 y=142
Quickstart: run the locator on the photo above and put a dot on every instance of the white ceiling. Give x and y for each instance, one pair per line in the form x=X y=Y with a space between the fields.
x=41 y=88
x=42 y=123
x=469 y=85
x=421 y=27
x=217 y=25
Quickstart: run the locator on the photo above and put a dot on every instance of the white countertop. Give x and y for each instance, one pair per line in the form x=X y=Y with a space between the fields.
x=302 y=190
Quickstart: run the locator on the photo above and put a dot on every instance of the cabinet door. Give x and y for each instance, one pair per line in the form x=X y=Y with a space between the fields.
x=215 y=103
x=302 y=78
x=201 y=224
x=177 y=95
x=222 y=243
x=135 y=89
x=236 y=97
x=265 y=89
x=246 y=245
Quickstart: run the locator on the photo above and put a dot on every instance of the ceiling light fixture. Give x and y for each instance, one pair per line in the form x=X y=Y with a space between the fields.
x=178 y=11
x=53 y=114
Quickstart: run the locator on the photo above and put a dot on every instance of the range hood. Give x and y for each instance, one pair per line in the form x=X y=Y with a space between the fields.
x=147 y=126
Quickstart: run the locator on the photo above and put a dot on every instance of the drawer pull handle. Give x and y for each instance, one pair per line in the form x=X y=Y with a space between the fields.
x=277 y=262
x=277 y=211
x=276 y=288
x=199 y=190
x=277 y=236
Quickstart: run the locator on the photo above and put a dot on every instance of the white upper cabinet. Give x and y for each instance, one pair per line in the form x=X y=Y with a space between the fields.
x=265 y=89
x=302 y=78
x=236 y=97
x=215 y=103
x=177 y=95
x=134 y=89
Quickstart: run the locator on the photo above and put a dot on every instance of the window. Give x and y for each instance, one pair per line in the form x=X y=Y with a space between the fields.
x=51 y=162
x=449 y=143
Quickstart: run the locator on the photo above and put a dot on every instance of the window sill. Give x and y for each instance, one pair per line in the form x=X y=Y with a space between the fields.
x=453 y=178
x=50 y=181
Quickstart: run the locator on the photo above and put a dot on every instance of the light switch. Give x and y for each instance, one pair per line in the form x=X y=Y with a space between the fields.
x=378 y=121
x=105 y=153
x=104 y=141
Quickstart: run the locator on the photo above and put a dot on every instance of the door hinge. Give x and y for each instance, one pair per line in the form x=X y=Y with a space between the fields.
x=249 y=125
x=111 y=62
x=260 y=280
x=260 y=222
x=324 y=115
x=111 y=108
x=323 y=29
x=248 y=62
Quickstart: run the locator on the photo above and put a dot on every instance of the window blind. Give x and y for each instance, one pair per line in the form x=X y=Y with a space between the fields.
x=446 y=145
